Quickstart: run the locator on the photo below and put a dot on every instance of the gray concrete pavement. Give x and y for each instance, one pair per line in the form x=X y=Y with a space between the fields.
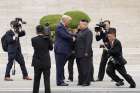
x=22 y=86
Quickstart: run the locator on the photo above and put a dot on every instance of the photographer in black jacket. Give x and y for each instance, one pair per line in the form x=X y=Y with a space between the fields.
x=14 y=49
x=41 y=58
x=101 y=34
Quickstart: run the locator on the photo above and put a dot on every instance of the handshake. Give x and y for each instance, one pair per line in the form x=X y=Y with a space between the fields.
x=73 y=33
x=74 y=38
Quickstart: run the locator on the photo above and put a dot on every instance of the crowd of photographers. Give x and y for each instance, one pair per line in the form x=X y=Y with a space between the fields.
x=70 y=46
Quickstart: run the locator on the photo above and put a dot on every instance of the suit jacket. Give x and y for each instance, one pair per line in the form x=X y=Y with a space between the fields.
x=41 y=56
x=63 y=41
x=13 y=45
x=116 y=52
x=84 y=43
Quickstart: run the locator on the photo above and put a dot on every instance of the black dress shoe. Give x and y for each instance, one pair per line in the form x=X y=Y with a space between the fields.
x=93 y=80
x=79 y=84
x=70 y=80
x=120 y=83
x=86 y=84
x=132 y=86
x=27 y=78
x=99 y=80
x=63 y=84
x=8 y=79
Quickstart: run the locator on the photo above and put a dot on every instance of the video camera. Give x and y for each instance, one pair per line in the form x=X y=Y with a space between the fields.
x=100 y=26
x=17 y=23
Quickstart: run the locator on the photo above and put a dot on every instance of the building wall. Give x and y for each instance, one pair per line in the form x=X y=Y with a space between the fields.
x=124 y=14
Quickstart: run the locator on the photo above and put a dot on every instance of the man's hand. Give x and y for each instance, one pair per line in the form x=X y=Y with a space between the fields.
x=97 y=33
x=74 y=38
x=102 y=46
x=15 y=36
x=105 y=48
x=73 y=52
x=86 y=54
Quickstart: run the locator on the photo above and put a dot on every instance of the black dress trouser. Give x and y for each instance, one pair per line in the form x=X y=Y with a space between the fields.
x=17 y=56
x=37 y=76
x=84 y=69
x=70 y=66
x=121 y=69
x=102 y=67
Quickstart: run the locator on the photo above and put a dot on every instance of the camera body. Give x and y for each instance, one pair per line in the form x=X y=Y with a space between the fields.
x=112 y=60
x=17 y=24
x=100 y=26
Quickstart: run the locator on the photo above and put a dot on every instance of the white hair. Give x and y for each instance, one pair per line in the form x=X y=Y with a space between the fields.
x=65 y=17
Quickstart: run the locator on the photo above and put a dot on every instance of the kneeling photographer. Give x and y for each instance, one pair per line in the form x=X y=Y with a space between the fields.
x=11 y=44
x=101 y=34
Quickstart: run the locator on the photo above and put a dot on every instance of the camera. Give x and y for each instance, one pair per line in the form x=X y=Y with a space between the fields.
x=100 y=26
x=17 y=23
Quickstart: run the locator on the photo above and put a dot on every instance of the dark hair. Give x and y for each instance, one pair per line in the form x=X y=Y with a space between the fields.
x=39 y=29
x=47 y=24
x=84 y=20
x=107 y=21
x=112 y=31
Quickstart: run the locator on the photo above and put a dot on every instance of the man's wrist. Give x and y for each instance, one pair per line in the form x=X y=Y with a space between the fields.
x=86 y=54
x=97 y=33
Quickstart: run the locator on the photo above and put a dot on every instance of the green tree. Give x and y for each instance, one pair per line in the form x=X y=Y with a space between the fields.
x=76 y=17
x=52 y=20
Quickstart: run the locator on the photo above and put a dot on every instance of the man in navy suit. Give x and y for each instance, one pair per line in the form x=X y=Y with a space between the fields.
x=62 y=48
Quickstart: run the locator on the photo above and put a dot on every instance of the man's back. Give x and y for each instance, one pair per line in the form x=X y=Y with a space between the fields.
x=41 y=46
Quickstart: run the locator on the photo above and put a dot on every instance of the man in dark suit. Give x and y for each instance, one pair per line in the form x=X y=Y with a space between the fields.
x=84 y=53
x=14 y=52
x=62 y=48
x=102 y=35
x=41 y=59
x=116 y=61
x=71 y=59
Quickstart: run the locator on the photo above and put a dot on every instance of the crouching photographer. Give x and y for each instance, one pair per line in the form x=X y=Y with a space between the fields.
x=116 y=61
x=41 y=58
x=11 y=44
x=101 y=34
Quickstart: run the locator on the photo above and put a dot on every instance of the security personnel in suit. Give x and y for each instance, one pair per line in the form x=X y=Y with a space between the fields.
x=71 y=59
x=84 y=53
x=102 y=35
x=116 y=61
x=62 y=48
x=41 y=59
x=72 y=56
x=14 y=52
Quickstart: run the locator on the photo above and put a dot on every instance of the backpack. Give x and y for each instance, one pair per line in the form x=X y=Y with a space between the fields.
x=4 y=42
